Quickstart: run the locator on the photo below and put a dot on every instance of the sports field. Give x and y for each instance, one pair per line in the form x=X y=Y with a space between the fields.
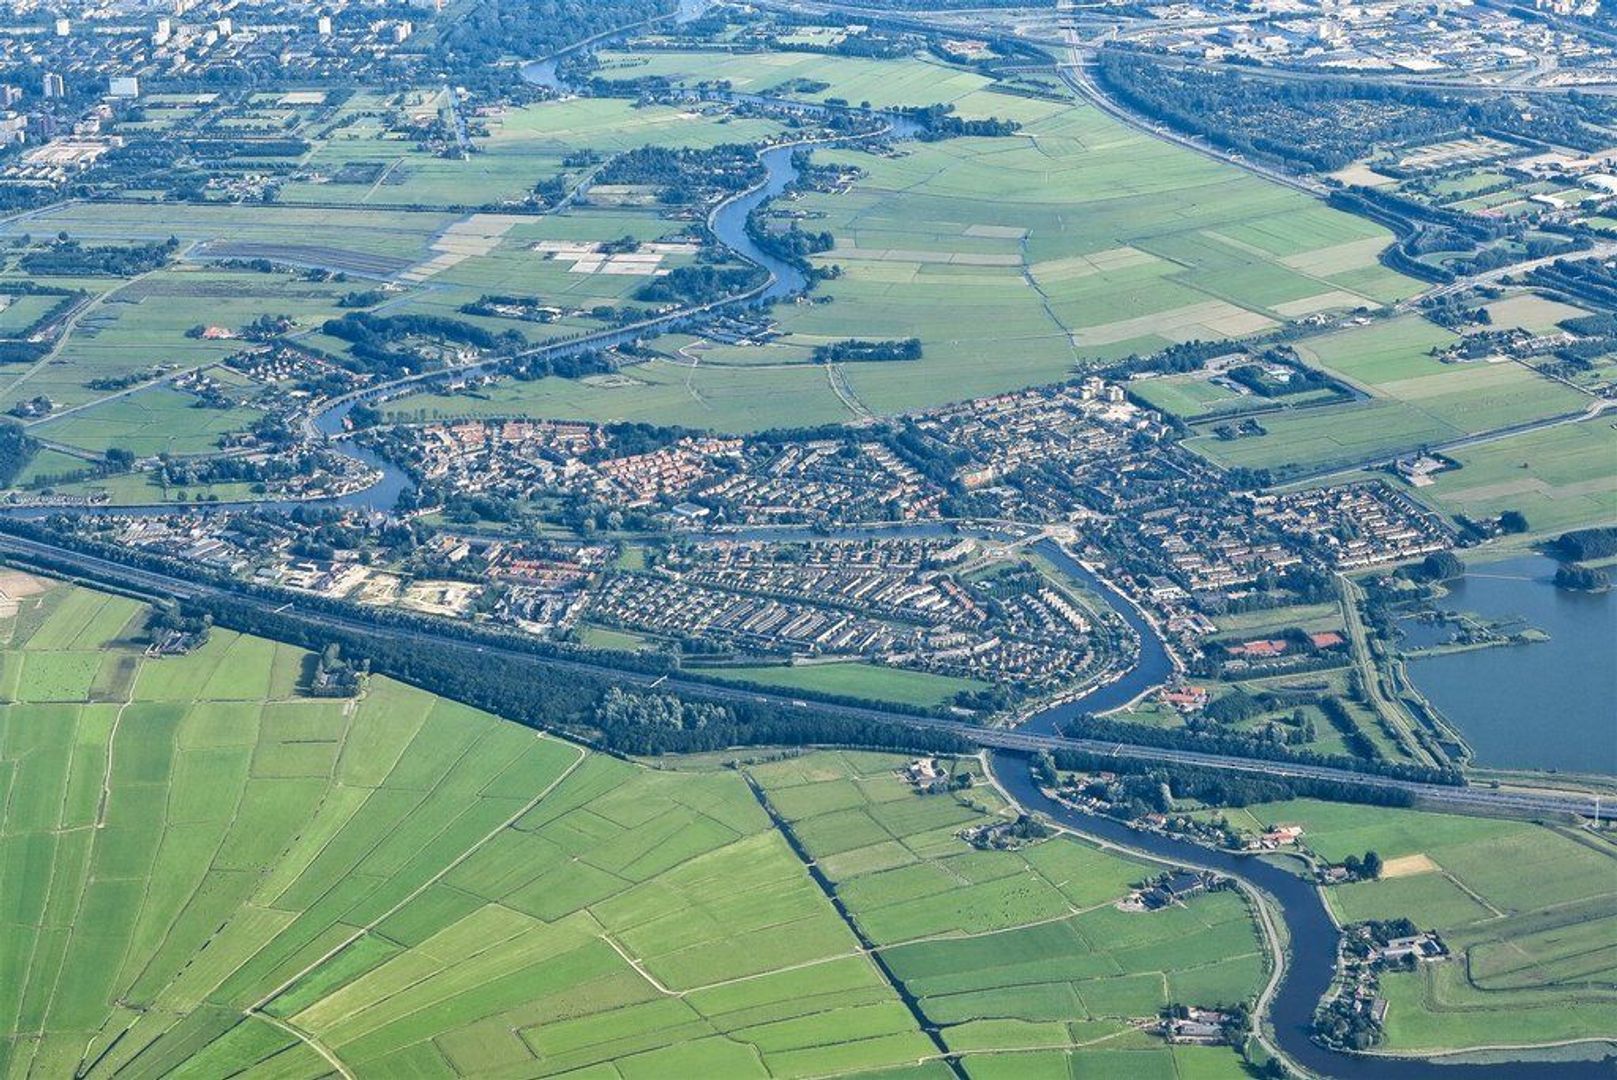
x=1529 y=911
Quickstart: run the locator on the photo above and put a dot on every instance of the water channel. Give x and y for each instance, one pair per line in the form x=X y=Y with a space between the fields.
x=1312 y=935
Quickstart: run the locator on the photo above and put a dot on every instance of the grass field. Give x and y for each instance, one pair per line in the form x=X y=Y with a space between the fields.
x=206 y=873
x=1415 y=400
x=148 y=422
x=1529 y=911
x=1011 y=952
x=871 y=681
x=1013 y=259
x=1560 y=477
x=212 y=874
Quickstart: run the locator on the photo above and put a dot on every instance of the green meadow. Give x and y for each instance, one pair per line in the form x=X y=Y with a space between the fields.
x=206 y=873
x=872 y=681
x=1018 y=956
x=1529 y=912
x=1015 y=260
x=1560 y=477
x=1414 y=400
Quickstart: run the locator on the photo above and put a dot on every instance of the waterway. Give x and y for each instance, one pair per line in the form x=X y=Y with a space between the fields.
x=1311 y=963
x=1545 y=705
x=1311 y=933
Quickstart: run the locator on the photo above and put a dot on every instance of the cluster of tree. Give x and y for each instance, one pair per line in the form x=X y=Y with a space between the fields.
x=179 y=472
x=67 y=257
x=359 y=327
x=17 y=449
x=1233 y=707
x=1585 y=279
x=472 y=45
x=1224 y=787
x=1353 y=737
x=854 y=350
x=333 y=677
x=1582 y=545
x=1438 y=566
x=1253 y=745
x=214 y=151
x=694 y=285
x=624 y=708
x=362 y=298
x=1301 y=380
x=1575 y=577
x=563 y=364
x=792 y=245
x=939 y=122
x=683 y=175
x=1365 y=869
x=1341 y=1023
x=167 y=620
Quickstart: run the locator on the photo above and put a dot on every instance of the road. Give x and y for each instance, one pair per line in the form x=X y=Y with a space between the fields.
x=1386 y=705
x=1077 y=77
x=1471 y=799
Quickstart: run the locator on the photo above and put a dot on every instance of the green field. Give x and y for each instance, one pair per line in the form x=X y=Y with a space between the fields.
x=1559 y=477
x=1415 y=401
x=870 y=681
x=1529 y=911
x=1013 y=259
x=1011 y=952
x=408 y=886
x=206 y=873
x=149 y=422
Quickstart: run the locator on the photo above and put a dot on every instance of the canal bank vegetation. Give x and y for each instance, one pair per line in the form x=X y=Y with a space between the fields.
x=1525 y=912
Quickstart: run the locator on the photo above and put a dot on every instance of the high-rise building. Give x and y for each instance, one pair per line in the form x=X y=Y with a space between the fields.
x=54 y=87
x=63 y=28
x=164 y=31
x=9 y=96
x=322 y=26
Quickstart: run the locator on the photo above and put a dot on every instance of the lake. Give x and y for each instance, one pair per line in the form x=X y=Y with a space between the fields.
x=1541 y=706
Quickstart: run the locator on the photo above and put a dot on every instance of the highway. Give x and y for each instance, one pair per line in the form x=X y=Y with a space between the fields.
x=1482 y=800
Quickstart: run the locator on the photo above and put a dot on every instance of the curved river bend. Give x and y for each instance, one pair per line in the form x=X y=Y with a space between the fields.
x=1311 y=963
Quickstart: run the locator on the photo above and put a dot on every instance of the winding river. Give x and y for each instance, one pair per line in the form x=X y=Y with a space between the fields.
x=1311 y=932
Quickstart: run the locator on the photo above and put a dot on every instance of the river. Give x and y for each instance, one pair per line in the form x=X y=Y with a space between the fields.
x=1547 y=705
x=1311 y=963
x=1312 y=935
